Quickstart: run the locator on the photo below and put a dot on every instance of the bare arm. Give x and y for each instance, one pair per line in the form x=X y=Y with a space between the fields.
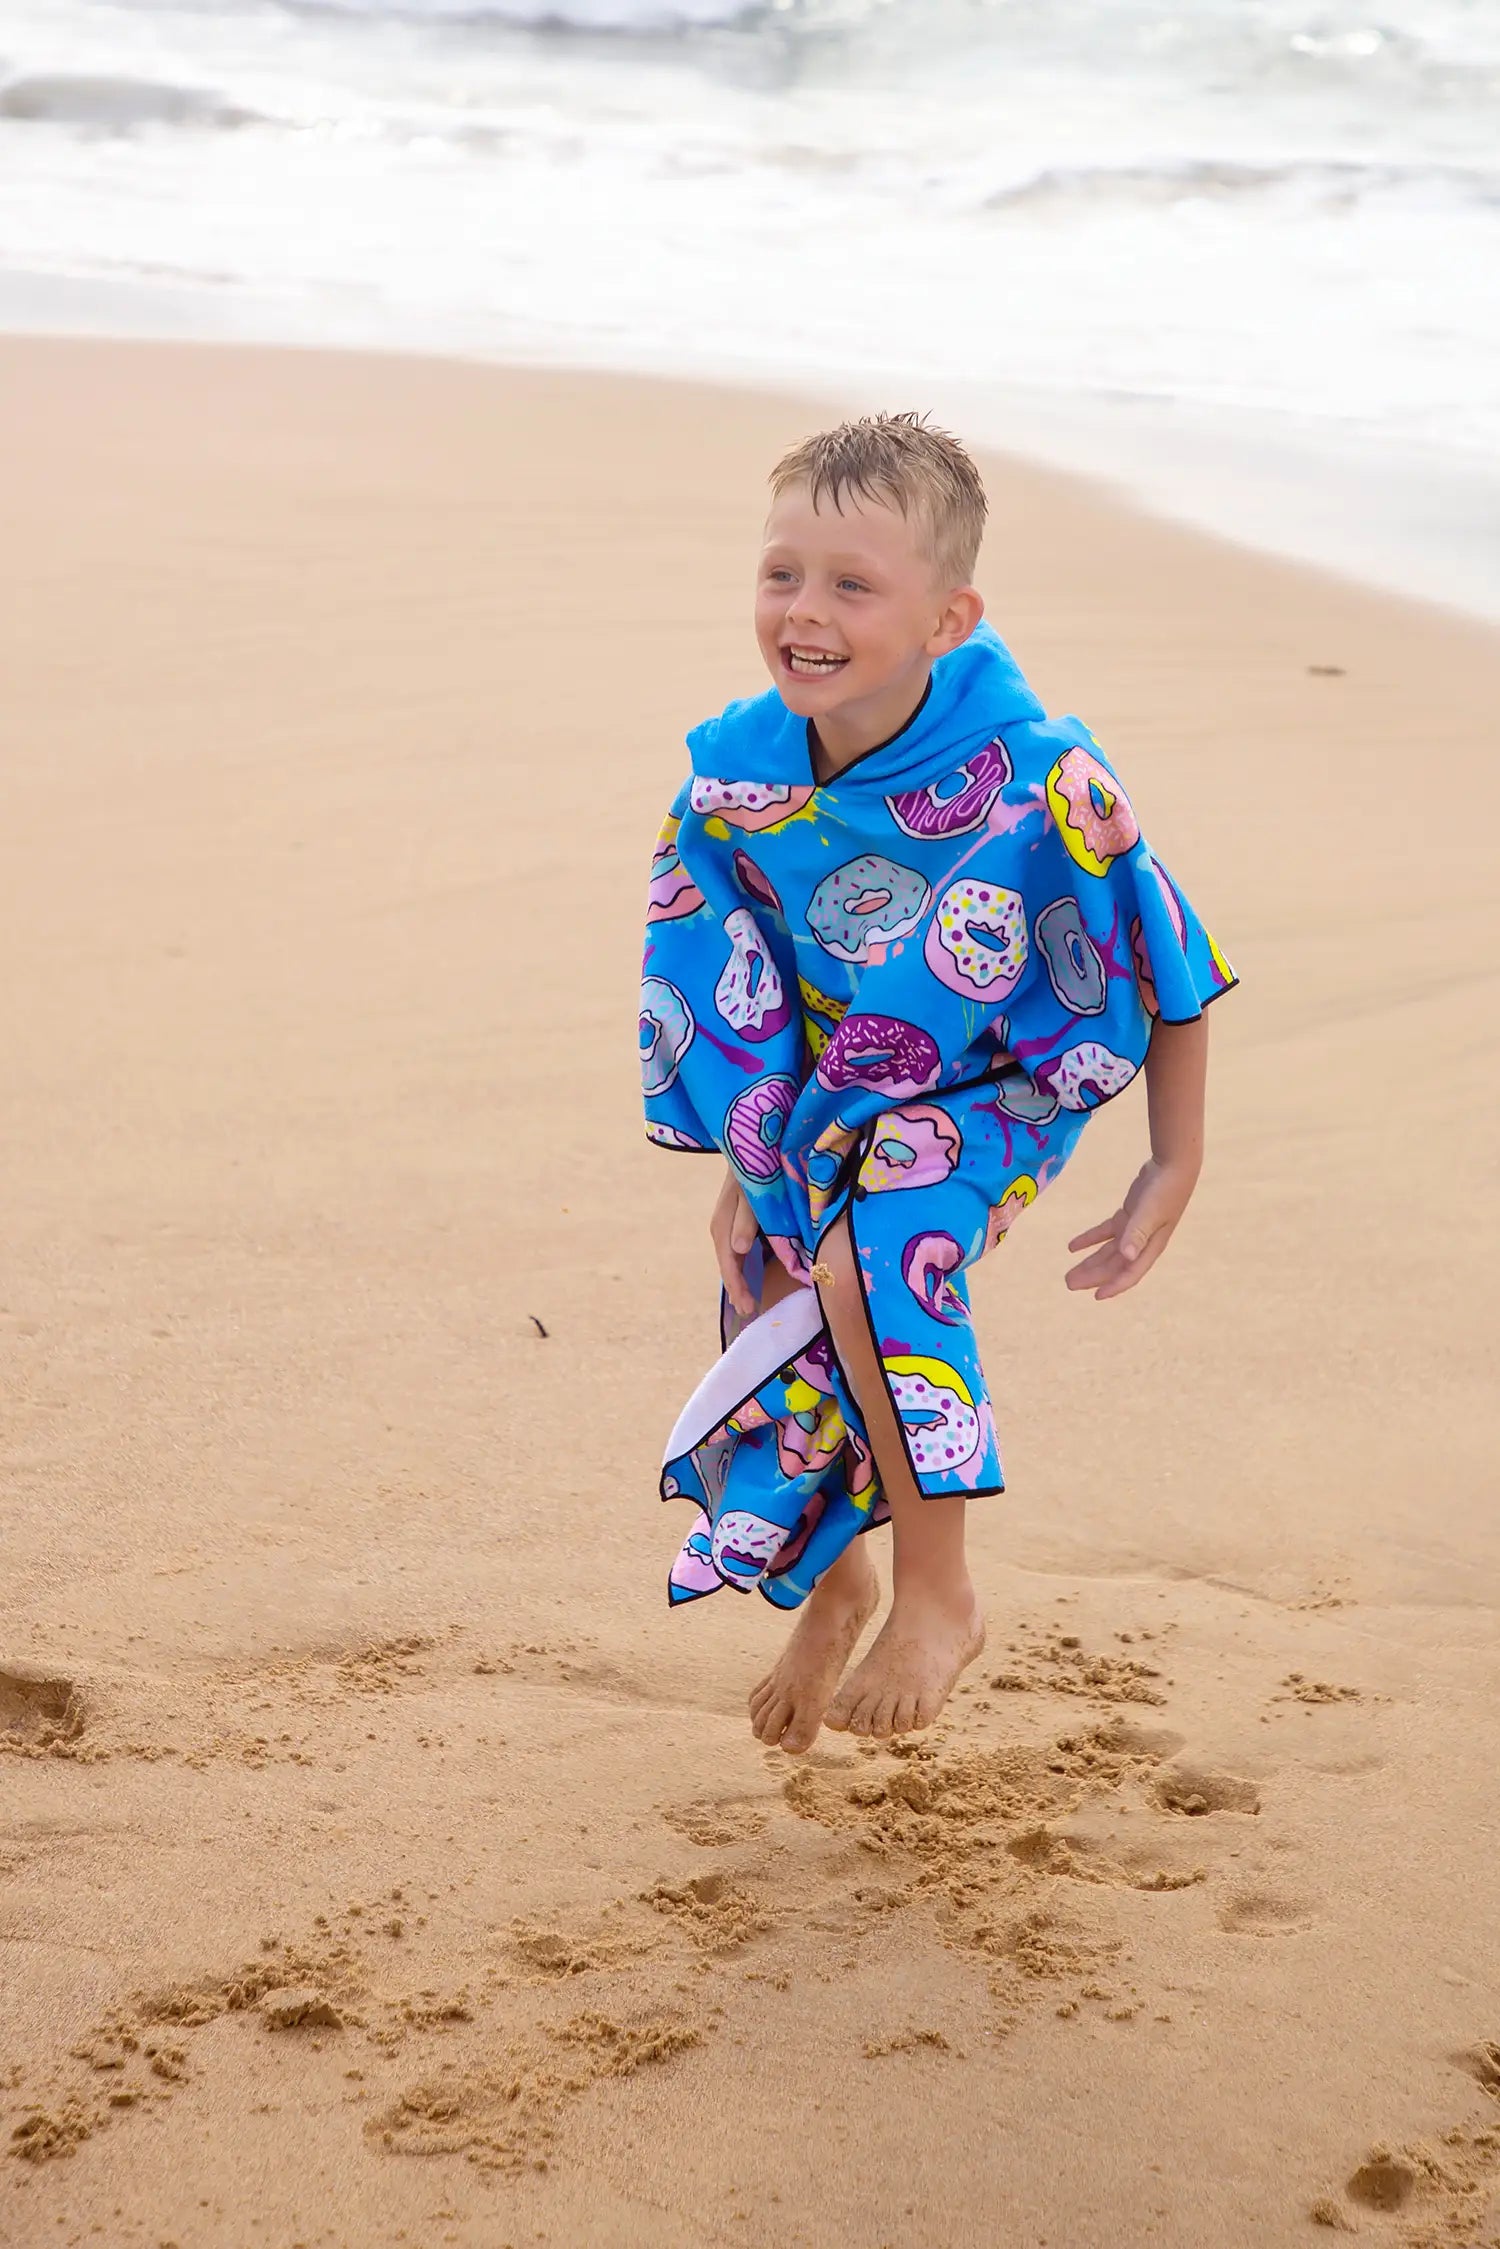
x=1126 y=1246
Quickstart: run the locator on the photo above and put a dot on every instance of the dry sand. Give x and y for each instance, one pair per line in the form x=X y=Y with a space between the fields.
x=361 y=1799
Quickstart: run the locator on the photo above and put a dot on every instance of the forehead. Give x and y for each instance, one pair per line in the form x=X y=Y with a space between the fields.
x=853 y=526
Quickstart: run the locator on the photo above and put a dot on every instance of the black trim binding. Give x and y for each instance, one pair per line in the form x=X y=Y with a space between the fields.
x=1176 y=1022
x=988 y=1491
x=814 y=745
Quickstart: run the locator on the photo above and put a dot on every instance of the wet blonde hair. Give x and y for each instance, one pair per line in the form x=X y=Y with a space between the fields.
x=903 y=461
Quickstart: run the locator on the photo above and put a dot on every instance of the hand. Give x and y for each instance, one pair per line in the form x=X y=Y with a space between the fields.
x=1126 y=1246
x=733 y=1230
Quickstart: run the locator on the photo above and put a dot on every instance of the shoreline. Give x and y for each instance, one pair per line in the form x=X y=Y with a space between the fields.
x=1416 y=525
x=362 y=1800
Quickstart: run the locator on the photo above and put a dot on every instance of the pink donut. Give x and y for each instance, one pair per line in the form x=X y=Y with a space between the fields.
x=1093 y=814
x=957 y=804
x=673 y=891
x=914 y=1147
x=754 y=1123
x=747 y=804
x=750 y=995
x=926 y=1264
x=976 y=940
x=883 y=1053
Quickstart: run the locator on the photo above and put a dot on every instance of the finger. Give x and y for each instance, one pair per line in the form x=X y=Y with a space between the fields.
x=736 y=1287
x=1092 y=1270
x=743 y=1229
x=1137 y=1270
x=1105 y=1231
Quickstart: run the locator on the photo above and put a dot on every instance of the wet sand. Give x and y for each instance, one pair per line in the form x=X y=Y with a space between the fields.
x=359 y=1799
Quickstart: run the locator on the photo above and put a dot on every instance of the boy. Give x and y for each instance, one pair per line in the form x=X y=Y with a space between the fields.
x=904 y=935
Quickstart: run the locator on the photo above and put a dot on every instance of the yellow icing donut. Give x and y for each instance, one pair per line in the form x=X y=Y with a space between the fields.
x=1092 y=812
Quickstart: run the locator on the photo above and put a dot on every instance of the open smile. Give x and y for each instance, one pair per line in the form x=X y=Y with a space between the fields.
x=811 y=663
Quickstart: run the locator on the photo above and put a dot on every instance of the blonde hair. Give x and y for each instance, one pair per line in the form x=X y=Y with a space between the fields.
x=902 y=460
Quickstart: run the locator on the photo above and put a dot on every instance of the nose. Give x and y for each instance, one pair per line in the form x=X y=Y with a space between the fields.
x=806 y=606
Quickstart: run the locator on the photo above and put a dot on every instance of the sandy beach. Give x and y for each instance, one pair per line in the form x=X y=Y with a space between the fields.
x=360 y=1801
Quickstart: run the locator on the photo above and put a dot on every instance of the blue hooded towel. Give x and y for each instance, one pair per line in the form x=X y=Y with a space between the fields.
x=897 y=994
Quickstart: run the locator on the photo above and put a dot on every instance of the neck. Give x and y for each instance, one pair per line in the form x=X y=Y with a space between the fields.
x=844 y=735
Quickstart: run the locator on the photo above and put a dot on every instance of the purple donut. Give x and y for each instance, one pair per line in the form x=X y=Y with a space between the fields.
x=755 y=884
x=926 y=1263
x=882 y=1052
x=958 y=803
x=754 y=1123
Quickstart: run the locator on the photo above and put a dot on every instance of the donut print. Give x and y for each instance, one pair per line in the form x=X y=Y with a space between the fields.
x=754 y=1123
x=667 y=1029
x=976 y=940
x=673 y=891
x=811 y=1436
x=744 y=1545
x=750 y=805
x=755 y=884
x=881 y=1052
x=936 y=1409
x=668 y=1136
x=915 y=1147
x=750 y=995
x=1020 y=1098
x=693 y=1572
x=866 y=897
x=927 y=1264
x=825 y=1165
x=1092 y=811
x=959 y=803
x=1085 y=1076
x=1017 y=1197
x=1075 y=968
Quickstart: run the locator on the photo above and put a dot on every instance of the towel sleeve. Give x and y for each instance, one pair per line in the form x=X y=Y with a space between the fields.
x=1112 y=944
x=676 y=915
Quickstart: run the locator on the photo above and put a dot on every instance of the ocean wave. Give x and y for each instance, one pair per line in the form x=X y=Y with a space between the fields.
x=1327 y=183
x=645 y=18
x=106 y=104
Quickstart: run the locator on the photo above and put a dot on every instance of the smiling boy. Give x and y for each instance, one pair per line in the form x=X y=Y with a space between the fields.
x=904 y=936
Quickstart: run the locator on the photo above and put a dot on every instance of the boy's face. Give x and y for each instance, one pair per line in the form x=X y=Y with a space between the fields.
x=850 y=613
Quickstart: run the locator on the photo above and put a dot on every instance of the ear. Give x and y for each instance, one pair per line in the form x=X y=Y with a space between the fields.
x=960 y=613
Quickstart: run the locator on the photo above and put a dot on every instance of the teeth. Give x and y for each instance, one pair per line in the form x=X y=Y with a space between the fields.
x=811 y=662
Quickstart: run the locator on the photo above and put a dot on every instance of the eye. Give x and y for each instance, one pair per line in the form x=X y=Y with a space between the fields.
x=778 y=577
x=852 y=585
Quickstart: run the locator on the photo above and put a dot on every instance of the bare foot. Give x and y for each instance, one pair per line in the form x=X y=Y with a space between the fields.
x=928 y=1639
x=787 y=1708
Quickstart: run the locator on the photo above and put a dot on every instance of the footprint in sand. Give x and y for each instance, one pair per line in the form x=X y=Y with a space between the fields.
x=1252 y=1910
x=1191 y=1791
x=40 y=1712
x=1385 y=2183
x=712 y=1822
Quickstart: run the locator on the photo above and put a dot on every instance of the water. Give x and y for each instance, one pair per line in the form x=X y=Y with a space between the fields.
x=1241 y=255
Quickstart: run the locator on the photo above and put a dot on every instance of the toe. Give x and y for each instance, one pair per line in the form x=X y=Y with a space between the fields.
x=800 y=1734
x=759 y=1693
x=904 y=1714
x=837 y=1713
x=777 y=1719
x=882 y=1714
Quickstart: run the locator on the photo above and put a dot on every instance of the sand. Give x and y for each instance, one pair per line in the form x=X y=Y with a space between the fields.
x=360 y=1800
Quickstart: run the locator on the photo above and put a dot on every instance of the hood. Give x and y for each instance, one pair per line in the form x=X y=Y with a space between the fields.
x=975 y=692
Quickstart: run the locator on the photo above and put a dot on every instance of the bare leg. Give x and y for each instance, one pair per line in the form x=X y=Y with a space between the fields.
x=786 y=1708
x=935 y=1628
